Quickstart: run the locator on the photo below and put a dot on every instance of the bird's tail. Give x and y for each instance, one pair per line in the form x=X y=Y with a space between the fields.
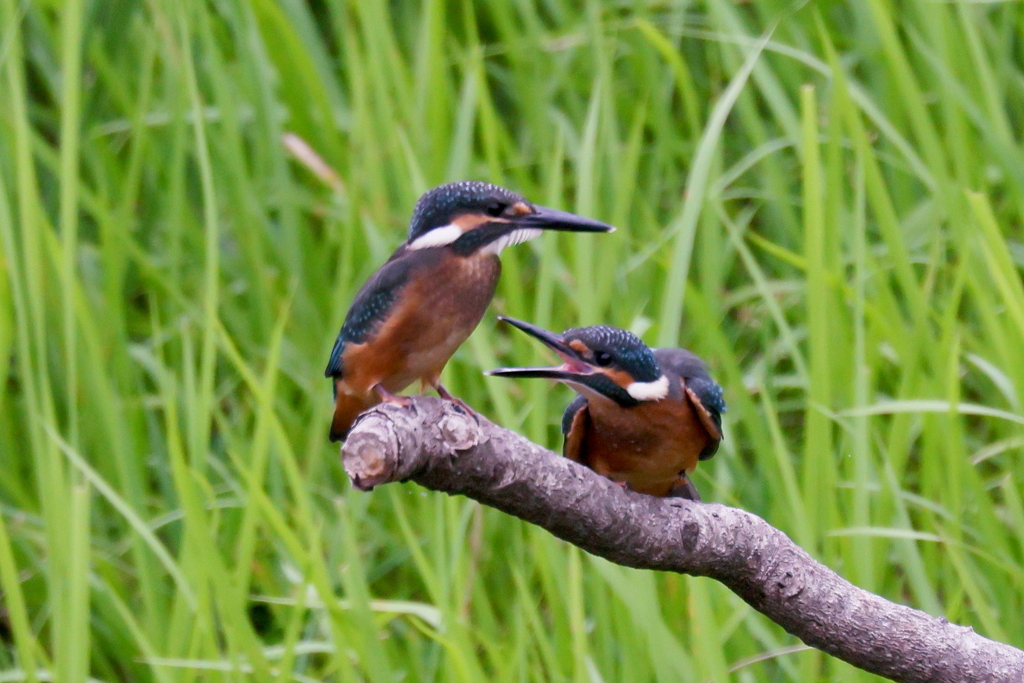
x=346 y=408
x=684 y=488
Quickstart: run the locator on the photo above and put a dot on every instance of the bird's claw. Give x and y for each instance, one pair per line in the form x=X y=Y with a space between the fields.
x=460 y=405
x=387 y=397
x=463 y=407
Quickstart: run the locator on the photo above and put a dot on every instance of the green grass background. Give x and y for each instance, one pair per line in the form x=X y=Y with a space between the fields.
x=823 y=200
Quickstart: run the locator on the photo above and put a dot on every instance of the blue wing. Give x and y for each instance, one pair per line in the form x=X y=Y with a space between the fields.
x=570 y=412
x=373 y=303
x=702 y=389
x=575 y=423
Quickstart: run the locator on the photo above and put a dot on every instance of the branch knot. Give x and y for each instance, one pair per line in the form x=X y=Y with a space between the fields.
x=459 y=430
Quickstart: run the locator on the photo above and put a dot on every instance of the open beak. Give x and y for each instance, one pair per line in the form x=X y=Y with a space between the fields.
x=544 y=218
x=572 y=369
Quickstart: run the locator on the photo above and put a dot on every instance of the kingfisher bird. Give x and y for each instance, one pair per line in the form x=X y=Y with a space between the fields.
x=413 y=313
x=642 y=417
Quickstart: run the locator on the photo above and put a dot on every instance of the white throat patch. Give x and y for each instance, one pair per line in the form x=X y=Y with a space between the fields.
x=438 y=237
x=514 y=237
x=649 y=391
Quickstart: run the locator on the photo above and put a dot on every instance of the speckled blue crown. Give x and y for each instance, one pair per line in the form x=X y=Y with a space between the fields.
x=629 y=351
x=439 y=206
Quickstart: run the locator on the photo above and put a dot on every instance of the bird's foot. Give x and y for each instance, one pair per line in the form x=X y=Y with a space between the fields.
x=684 y=488
x=387 y=397
x=459 y=403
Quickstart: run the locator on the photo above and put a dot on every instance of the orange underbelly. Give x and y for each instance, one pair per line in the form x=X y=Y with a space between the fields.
x=425 y=328
x=646 y=447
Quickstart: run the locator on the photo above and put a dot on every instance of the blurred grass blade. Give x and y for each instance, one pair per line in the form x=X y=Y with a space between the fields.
x=685 y=226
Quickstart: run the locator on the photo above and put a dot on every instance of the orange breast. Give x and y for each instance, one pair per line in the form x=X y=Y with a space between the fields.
x=435 y=313
x=647 y=446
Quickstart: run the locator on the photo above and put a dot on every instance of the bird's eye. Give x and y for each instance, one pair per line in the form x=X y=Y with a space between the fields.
x=603 y=358
x=495 y=209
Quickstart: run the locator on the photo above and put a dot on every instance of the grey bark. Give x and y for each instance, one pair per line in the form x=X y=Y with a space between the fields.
x=436 y=445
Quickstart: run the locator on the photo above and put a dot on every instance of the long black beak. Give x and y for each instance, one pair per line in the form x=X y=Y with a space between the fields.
x=544 y=218
x=574 y=368
x=552 y=340
x=545 y=373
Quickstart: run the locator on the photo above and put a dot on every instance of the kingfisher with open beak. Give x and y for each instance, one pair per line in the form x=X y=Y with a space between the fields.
x=413 y=313
x=643 y=417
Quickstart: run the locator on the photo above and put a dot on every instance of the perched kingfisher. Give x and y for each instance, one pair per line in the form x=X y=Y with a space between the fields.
x=413 y=313
x=643 y=417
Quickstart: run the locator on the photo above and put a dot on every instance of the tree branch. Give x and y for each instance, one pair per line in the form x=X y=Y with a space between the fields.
x=439 y=447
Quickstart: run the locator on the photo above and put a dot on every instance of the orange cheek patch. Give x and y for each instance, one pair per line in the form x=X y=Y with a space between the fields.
x=579 y=347
x=470 y=221
x=620 y=377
